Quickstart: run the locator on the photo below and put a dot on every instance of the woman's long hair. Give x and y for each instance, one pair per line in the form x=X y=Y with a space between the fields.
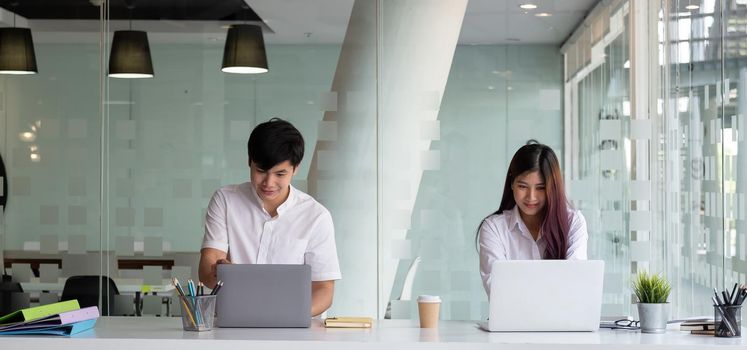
x=535 y=156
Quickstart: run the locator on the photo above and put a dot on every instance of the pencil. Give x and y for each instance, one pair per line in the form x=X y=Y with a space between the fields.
x=187 y=309
x=193 y=293
x=175 y=281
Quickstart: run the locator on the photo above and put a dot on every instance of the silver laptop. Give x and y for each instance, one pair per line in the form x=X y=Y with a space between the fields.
x=545 y=296
x=255 y=295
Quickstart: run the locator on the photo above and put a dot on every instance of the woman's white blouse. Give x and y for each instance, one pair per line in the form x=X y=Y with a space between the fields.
x=505 y=237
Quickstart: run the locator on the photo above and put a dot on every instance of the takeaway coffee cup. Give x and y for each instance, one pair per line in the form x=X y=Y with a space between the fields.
x=428 y=308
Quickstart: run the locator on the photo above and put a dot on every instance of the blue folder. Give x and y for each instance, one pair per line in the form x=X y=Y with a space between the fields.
x=63 y=330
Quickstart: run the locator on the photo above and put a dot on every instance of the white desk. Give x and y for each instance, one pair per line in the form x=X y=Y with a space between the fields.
x=124 y=285
x=114 y=333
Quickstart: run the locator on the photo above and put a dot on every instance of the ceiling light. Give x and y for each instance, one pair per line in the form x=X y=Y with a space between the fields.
x=543 y=14
x=692 y=7
x=17 y=49
x=244 y=52
x=528 y=6
x=35 y=157
x=130 y=56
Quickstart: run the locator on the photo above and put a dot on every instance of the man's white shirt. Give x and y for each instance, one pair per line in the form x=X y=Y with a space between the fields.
x=504 y=236
x=302 y=232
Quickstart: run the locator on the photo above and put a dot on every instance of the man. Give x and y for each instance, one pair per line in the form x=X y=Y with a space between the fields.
x=268 y=221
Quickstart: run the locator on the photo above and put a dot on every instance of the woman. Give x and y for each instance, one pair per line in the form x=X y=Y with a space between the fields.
x=534 y=220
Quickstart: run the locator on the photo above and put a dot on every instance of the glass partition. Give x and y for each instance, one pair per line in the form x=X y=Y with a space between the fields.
x=452 y=115
x=409 y=129
x=675 y=147
x=50 y=137
x=600 y=166
x=173 y=139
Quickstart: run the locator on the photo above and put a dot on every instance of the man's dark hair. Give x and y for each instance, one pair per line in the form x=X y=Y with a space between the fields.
x=274 y=142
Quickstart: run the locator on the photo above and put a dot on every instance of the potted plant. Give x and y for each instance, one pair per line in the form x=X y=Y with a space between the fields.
x=652 y=292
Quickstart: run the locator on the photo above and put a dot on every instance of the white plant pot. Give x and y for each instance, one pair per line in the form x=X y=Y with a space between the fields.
x=653 y=317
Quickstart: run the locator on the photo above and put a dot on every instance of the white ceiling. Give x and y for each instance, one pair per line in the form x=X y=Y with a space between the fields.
x=485 y=22
x=304 y=21
x=503 y=21
x=325 y=22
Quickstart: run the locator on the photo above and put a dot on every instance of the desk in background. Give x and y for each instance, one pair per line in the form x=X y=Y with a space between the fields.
x=172 y=264
x=124 y=285
x=166 y=333
x=128 y=302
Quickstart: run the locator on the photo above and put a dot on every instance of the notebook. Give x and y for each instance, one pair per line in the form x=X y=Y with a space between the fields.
x=545 y=295
x=348 y=322
x=263 y=295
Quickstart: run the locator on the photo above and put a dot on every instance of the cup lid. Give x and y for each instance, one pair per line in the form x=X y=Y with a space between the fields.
x=429 y=299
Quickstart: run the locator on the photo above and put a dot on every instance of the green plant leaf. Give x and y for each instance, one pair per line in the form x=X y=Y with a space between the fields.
x=651 y=289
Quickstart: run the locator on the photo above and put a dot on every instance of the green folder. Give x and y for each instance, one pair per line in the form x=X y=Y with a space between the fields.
x=33 y=313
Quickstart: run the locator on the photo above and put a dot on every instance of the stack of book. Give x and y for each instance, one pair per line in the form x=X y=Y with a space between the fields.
x=64 y=318
x=702 y=327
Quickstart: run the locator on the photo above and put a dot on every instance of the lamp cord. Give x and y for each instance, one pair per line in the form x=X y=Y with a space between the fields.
x=130 y=4
x=244 y=12
x=14 y=5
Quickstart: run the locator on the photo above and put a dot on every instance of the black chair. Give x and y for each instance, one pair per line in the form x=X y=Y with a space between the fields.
x=86 y=290
x=7 y=289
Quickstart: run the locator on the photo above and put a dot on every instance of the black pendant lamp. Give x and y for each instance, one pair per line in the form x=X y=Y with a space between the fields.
x=17 y=50
x=130 y=55
x=244 y=52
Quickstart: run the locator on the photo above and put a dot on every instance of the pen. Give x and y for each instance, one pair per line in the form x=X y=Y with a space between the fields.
x=717 y=300
x=740 y=296
x=217 y=288
x=733 y=295
x=191 y=288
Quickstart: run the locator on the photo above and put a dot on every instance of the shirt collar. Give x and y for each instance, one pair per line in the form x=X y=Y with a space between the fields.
x=513 y=217
x=515 y=220
x=284 y=207
x=288 y=204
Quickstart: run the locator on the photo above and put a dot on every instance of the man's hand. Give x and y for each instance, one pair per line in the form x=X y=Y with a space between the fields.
x=322 y=293
x=209 y=259
x=214 y=268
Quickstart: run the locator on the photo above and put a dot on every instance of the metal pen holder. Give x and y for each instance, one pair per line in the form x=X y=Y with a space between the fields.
x=728 y=320
x=198 y=313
